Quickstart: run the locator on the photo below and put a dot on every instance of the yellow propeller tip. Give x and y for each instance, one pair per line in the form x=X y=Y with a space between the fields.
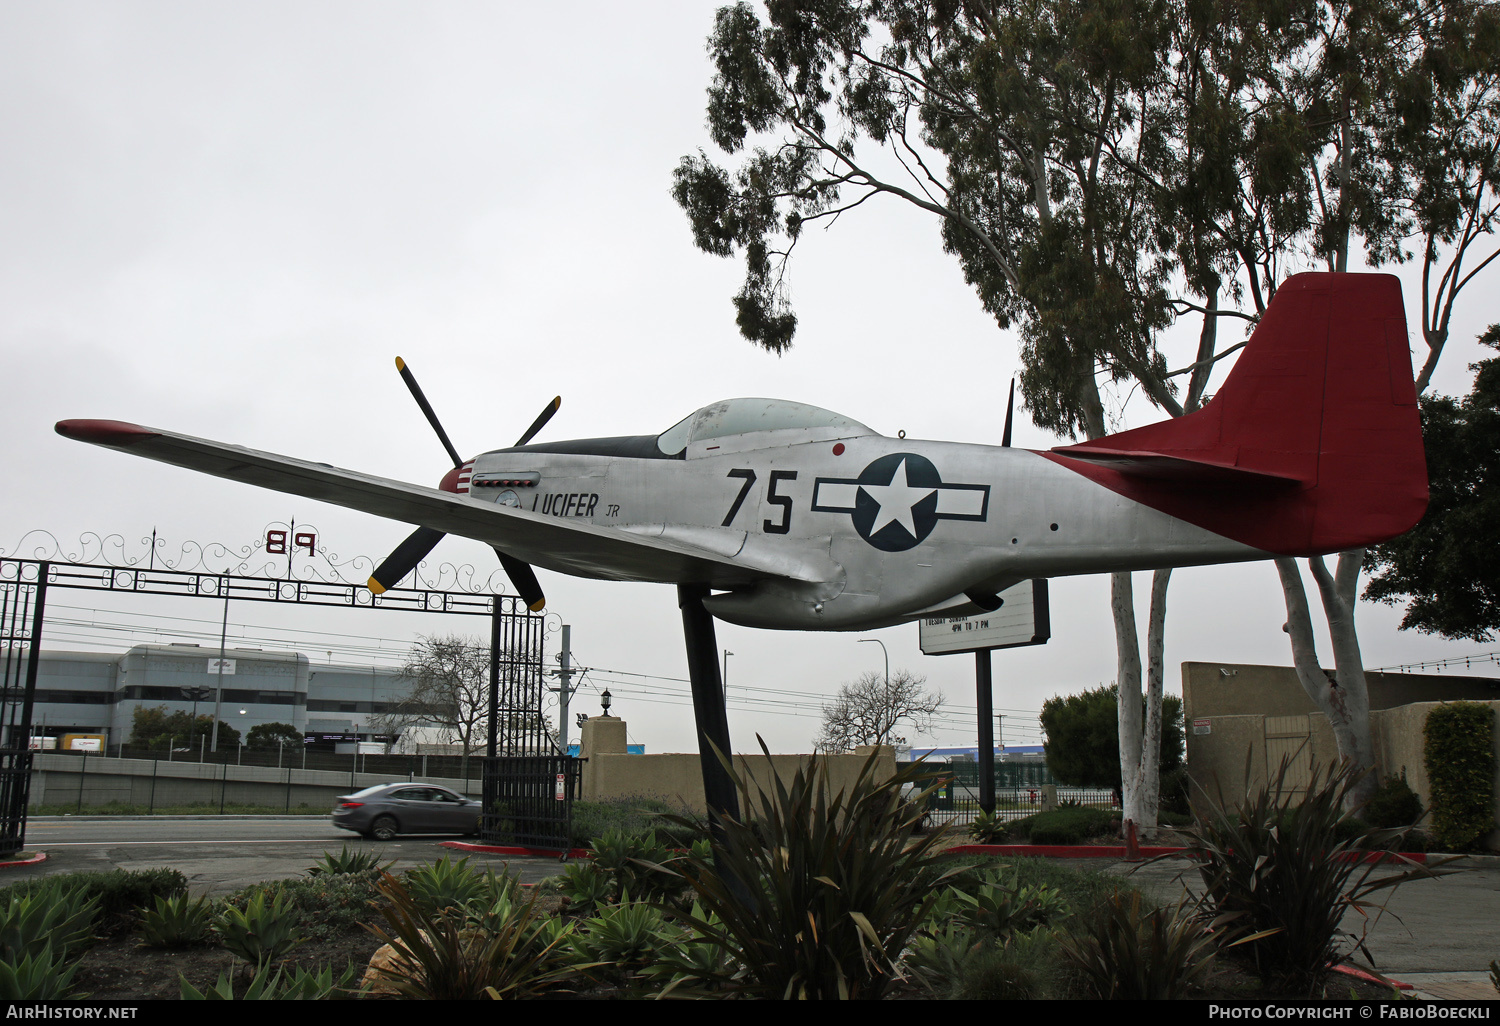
x=400 y=364
x=538 y=605
x=376 y=588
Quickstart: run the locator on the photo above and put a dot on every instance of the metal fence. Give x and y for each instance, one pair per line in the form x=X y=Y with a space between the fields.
x=1020 y=790
x=75 y=781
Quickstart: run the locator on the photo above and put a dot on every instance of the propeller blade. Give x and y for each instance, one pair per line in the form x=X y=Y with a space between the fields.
x=524 y=578
x=1010 y=409
x=404 y=560
x=541 y=420
x=416 y=393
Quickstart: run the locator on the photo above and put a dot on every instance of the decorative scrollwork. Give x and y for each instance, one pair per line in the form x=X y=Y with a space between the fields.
x=294 y=562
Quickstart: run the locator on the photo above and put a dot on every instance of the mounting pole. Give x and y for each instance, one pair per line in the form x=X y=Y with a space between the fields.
x=708 y=702
x=983 y=693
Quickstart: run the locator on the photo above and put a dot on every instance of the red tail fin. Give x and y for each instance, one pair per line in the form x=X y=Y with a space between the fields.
x=1312 y=445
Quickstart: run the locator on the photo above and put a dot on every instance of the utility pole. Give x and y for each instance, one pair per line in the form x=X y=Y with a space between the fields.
x=564 y=686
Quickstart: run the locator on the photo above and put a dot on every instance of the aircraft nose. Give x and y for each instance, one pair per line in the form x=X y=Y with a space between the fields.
x=457 y=479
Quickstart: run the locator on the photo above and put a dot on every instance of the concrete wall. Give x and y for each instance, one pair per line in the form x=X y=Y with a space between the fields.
x=610 y=773
x=1239 y=724
x=98 y=780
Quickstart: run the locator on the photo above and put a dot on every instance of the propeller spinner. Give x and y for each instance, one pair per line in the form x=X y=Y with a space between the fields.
x=421 y=541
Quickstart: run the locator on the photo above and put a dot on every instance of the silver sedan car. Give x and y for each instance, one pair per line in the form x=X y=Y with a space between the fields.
x=385 y=810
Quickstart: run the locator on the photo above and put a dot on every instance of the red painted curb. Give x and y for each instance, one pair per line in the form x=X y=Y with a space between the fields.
x=1059 y=851
x=495 y=849
x=32 y=859
x=1117 y=851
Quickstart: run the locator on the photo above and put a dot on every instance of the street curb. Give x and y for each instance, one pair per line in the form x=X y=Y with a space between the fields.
x=30 y=859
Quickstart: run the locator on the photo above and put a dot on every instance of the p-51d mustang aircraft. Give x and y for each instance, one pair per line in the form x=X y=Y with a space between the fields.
x=792 y=517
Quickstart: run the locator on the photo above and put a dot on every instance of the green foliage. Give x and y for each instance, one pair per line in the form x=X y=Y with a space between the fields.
x=119 y=894
x=1284 y=875
x=637 y=815
x=586 y=887
x=1394 y=804
x=692 y=961
x=1459 y=754
x=279 y=984
x=817 y=894
x=328 y=905
x=157 y=727
x=264 y=932
x=55 y=917
x=274 y=735
x=177 y=922
x=995 y=905
x=1122 y=953
x=1024 y=967
x=1066 y=825
x=441 y=956
x=38 y=976
x=445 y=884
x=1082 y=737
x=348 y=863
x=638 y=866
x=627 y=938
x=988 y=829
x=1453 y=585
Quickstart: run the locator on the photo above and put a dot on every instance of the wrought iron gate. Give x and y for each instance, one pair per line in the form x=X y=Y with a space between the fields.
x=23 y=593
x=529 y=783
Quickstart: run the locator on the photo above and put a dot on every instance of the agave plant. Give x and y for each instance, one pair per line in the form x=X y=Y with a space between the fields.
x=817 y=892
x=38 y=976
x=57 y=917
x=347 y=863
x=447 y=884
x=263 y=932
x=1282 y=870
x=279 y=985
x=177 y=922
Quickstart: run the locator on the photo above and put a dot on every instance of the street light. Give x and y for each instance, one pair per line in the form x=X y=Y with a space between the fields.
x=604 y=700
x=877 y=641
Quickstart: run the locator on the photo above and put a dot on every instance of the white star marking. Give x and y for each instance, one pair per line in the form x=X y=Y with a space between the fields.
x=896 y=501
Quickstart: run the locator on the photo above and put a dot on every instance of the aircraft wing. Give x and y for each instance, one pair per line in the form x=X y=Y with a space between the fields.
x=567 y=545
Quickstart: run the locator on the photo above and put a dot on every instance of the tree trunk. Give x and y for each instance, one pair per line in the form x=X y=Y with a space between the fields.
x=1343 y=696
x=1140 y=729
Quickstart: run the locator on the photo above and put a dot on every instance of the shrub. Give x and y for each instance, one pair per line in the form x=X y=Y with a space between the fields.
x=627 y=938
x=637 y=816
x=1122 y=953
x=1286 y=872
x=1459 y=753
x=441 y=956
x=1070 y=825
x=1394 y=804
x=818 y=893
x=327 y=905
x=638 y=865
x=119 y=894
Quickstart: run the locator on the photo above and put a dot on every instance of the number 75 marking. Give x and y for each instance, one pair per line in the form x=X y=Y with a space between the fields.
x=772 y=498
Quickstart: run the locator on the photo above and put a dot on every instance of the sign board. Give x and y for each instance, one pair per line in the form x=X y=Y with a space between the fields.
x=561 y=792
x=228 y=664
x=1203 y=726
x=1022 y=619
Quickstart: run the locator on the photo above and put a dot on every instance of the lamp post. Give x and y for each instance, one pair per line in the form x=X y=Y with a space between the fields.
x=877 y=641
x=604 y=700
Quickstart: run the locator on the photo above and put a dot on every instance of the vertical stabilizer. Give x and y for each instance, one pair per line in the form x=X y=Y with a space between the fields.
x=1312 y=445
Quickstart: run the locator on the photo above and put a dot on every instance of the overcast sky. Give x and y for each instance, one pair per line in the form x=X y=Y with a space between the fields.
x=227 y=219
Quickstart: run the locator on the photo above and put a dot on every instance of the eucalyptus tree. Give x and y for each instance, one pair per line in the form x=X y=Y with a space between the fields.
x=1100 y=169
x=1046 y=138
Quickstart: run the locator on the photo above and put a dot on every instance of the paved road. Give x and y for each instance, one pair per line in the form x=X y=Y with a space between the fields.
x=1443 y=925
x=220 y=855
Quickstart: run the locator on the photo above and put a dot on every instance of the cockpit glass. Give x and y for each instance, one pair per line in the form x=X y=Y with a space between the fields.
x=740 y=416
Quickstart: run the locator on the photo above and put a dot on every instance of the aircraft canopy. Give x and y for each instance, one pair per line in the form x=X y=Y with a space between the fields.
x=741 y=416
